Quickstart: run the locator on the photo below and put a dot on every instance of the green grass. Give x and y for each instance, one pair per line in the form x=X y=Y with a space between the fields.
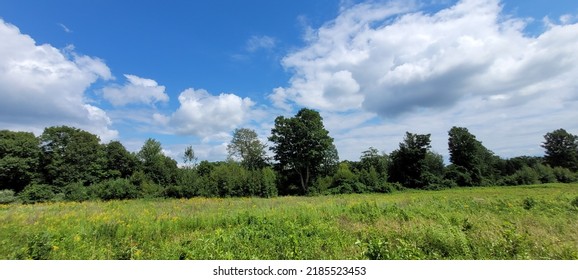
x=529 y=222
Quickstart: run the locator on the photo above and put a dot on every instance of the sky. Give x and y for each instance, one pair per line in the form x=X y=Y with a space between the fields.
x=191 y=72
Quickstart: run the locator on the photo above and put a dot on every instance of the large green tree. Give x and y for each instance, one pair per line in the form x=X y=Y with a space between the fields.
x=301 y=145
x=159 y=168
x=246 y=147
x=470 y=157
x=408 y=162
x=19 y=159
x=71 y=155
x=120 y=162
x=561 y=149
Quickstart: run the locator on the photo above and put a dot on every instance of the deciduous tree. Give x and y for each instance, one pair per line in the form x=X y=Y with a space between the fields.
x=19 y=159
x=561 y=149
x=248 y=149
x=301 y=145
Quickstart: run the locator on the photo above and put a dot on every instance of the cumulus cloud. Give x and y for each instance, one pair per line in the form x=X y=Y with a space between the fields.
x=136 y=90
x=468 y=64
x=205 y=115
x=42 y=86
x=384 y=59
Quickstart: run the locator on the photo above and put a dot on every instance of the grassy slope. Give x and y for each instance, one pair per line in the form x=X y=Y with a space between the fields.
x=464 y=223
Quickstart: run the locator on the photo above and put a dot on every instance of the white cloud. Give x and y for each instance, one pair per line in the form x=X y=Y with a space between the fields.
x=42 y=86
x=256 y=43
x=136 y=90
x=469 y=64
x=65 y=28
x=205 y=115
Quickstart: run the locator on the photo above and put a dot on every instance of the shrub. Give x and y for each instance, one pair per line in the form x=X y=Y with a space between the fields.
x=528 y=203
x=76 y=192
x=7 y=196
x=115 y=189
x=524 y=176
x=545 y=173
x=564 y=175
x=268 y=182
x=35 y=193
x=459 y=175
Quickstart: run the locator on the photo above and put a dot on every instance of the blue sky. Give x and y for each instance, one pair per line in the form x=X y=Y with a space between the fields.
x=189 y=72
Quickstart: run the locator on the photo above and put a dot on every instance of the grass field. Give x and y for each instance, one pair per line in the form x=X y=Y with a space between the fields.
x=529 y=222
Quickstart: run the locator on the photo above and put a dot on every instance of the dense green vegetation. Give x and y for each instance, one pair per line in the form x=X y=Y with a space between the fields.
x=524 y=222
x=66 y=163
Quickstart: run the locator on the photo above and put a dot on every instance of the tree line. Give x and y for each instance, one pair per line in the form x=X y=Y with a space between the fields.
x=67 y=163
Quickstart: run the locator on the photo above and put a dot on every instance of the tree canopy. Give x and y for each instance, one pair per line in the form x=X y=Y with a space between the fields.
x=247 y=147
x=302 y=145
x=71 y=155
x=407 y=162
x=561 y=149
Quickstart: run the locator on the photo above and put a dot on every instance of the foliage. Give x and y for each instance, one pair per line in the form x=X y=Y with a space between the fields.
x=247 y=147
x=19 y=159
x=7 y=196
x=561 y=149
x=159 y=168
x=301 y=145
x=407 y=162
x=574 y=202
x=120 y=162
x=76 y=192
x=35 y=193
x=564 y=175
x=115 y=189
x=487 y=223
x=71 y=155
x=189 y=157
x=475 y=160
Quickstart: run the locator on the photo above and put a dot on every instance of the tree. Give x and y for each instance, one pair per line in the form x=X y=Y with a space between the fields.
x=19 y=159
x=371 y=158
x=301 y=145
x=246 y=147
x=189 y=157
x=469 y=154
x=71 y=155
x=407 y=162
x=159 y=168
x=120 y=162
x=561 y=149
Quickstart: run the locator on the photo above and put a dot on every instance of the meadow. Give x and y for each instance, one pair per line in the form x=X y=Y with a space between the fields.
x=523 y=222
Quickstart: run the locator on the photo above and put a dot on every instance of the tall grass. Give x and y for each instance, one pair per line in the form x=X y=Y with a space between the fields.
x=530 y=222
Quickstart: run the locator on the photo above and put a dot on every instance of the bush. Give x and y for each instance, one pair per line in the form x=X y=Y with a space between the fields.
x=36 y=193
x=76 y=192
x=459 y=175
x=268 y=183
x=115 y=189
x=7 y=196
x=528 y=203
x=564 y=175
x=545 y=173
x=524 y=176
